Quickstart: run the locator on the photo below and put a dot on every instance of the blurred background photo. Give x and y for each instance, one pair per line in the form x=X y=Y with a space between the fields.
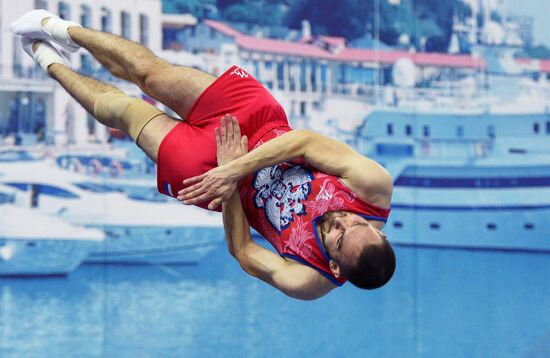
x=452 y=97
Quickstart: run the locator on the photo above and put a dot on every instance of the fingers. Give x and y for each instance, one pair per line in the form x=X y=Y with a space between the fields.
x=214 y=204
x=236 y=129
x=199 y=199
x=229 y=124
x=186 y=198
x=218 y=138
x=244 y=144
x=224 y=131
x=189 y=183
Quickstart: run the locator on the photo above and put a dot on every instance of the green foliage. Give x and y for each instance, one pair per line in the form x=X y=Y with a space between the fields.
x=253 y=12
x=428 y=21
x=195 y=7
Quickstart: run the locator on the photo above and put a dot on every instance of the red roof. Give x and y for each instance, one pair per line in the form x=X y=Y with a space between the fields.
x=541 y=65
x=347 y=54
x=282 y=47
x=223 y=28
x=545 y=66
x=421 y=59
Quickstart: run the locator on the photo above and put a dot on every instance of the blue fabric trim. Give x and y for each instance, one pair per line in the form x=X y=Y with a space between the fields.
x=319 y=243
x=167 y=188
x=375 y=218
x=328 y=276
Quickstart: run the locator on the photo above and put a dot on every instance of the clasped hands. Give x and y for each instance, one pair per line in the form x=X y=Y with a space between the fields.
x=218 y=184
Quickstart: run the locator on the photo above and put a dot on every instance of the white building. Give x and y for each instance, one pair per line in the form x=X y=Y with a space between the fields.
x=31 y=103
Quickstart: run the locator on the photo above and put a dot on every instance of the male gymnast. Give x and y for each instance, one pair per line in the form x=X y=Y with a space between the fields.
x=317 y=201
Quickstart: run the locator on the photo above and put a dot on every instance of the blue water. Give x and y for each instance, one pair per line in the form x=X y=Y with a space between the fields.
x=441 y=303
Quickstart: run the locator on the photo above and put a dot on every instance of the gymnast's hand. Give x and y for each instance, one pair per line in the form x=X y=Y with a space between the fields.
x=219 y=183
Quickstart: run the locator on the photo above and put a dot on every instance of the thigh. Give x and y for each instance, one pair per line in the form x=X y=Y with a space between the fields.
x=154 y=133
x=186 y=151
x=177 y=87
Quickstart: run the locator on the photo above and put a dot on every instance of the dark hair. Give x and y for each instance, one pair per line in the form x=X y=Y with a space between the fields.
x=375 y=266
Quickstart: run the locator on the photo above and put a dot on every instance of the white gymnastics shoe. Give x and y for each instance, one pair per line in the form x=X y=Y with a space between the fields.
x=56 y=29
x=45 y=54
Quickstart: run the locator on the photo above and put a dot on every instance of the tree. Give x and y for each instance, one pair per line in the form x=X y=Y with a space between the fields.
x=253 y=12
x=195 y=7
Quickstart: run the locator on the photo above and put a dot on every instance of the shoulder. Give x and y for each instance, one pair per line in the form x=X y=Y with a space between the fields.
x=304 y=282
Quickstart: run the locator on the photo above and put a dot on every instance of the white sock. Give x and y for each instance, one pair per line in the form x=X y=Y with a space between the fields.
x=58 y=29
x=45 y=54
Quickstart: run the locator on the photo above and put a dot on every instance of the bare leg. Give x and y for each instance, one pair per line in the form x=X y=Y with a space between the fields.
x=177 y=87
x=86 y=91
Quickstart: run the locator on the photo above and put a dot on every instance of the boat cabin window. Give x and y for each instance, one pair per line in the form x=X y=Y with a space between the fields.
x=6 y=198
x=44 y=189
x=529 y=226
x=426 y=131
x=54 y=191
x=435 y=226
x=408 y=129
x=96 y=188
x=389 y=129
x=491 y=131
x=536 y=128
x=460 y=131
x=548 y=127
x=14 y=156
x=20 y=186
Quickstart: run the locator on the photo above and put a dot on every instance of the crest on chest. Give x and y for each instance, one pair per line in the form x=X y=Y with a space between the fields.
x=280 y=192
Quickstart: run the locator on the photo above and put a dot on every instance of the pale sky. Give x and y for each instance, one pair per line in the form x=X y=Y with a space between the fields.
x=540 y=9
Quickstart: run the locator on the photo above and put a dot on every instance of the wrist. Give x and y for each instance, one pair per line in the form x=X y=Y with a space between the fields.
x=232 y=170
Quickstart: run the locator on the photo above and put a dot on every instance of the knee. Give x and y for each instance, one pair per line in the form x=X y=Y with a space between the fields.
x=130 y=115
x=158 y=76
x=145 y=68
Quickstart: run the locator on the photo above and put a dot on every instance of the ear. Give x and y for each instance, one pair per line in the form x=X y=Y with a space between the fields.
x=335 y=268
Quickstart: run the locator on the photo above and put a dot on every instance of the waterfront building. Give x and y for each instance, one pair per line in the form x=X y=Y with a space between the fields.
x=304 y=75
x=32 y=107
x=524 y=27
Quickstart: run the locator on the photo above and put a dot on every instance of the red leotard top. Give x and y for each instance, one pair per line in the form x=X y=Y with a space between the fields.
x=284 y=202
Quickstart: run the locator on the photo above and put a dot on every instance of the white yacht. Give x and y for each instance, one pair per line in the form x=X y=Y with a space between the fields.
x=139 y=229
x=33 y=243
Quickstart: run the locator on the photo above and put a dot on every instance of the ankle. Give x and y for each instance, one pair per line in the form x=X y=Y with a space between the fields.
x=35 y=45
x=45 y=21
x=53 y=68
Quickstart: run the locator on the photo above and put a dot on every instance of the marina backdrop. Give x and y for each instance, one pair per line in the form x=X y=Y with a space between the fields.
x=451 y=97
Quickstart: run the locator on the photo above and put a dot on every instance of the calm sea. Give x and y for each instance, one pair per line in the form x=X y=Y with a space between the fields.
x=441 y=303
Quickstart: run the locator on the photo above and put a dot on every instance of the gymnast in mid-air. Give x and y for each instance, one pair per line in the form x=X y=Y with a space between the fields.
x=318 y=202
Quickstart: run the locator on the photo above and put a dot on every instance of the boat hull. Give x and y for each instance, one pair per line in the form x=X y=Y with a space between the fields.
x=40 y=257
x=156 y=245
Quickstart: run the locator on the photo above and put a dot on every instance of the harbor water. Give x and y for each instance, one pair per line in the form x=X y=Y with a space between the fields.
x=441 y=303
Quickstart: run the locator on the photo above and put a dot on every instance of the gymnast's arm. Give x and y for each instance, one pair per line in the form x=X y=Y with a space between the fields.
x=366 y=177
x=291 y=278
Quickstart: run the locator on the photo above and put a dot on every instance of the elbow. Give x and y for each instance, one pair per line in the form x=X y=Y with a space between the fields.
x=303 y=138
x=242 y=259
x=304 y=135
